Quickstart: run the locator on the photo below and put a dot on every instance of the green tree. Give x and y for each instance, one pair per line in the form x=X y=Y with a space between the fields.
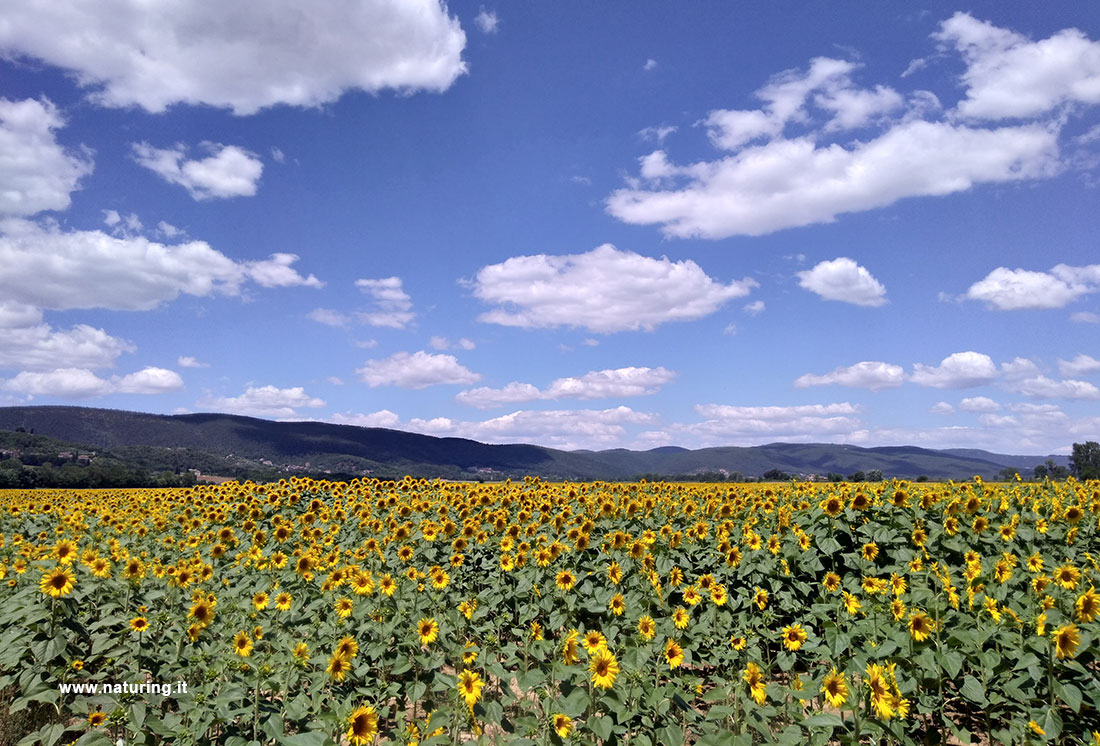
x=1085 y=461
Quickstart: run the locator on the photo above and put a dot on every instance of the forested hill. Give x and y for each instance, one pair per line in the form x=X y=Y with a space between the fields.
x=236 y=446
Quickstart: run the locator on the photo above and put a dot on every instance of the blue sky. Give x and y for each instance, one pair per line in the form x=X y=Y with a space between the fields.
x=574 y=224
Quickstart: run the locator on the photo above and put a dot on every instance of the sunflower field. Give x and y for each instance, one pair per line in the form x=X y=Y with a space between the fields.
x=308 y=613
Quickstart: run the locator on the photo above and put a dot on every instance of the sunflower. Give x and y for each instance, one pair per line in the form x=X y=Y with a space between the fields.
x=897 y=609
x=793 y=636
x=467 y=608
x=647 y=628
x=97 y=719
x=427 y=630
x=851 y=604
x=881 y=696
x=242 y=644
x=343 y=608
x=57 y=582
x=569 y=651
x=835 y=689
x=1066 y=640
x=604 y=668
x=617 y=605
x=920 y=626
x=301 y=652
x=832 y=505
x=692 y=595
x=831 y=582
x=139 y=624
x=1087 y=605
x=338 y=668
x=387 y=585
x=738 y=642
x=870 y=551
x=563 y=725
x=593 y=641
x=718 y=595
x=347 y=648
x=674 y=654
x=260 y=601
x=761 y=599
x=202 y=612
x=565 y=580
x=469 y=686
x=65 y=552
x=469 y=654
x=283 y=601
x=364 y=725
x=754 y=677
x=100 y=568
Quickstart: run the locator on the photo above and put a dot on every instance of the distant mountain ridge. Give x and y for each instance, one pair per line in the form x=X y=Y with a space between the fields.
x=246 y=445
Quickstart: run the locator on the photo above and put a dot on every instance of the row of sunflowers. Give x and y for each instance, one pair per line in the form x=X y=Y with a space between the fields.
x=307 y=613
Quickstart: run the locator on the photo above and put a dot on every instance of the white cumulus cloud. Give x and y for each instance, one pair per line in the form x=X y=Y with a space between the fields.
x=600 y=384
x=229 y=170
x=869 y=374
x=1041 y=387
x=392 y=305
x=244 y=55
x=605 y=290
x=788 y=183
x=843 y=280
x=36 y=172
x=1006 y=289
x=1009 y=76
x=81 y=383
x=1081 y=365
x=979 y=404
x=43 y=266
x=417 y=370
x=27 y=343
x=791 y=162
x=487 y=21
x=956 y=371
x=189 y=361
x=263 y=401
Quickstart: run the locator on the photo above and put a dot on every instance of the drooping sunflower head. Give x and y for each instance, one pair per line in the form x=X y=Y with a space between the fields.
x=563 y=725
x=1087 y=606
x=1066 y=640
x=347 y=648
x=674 y=654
